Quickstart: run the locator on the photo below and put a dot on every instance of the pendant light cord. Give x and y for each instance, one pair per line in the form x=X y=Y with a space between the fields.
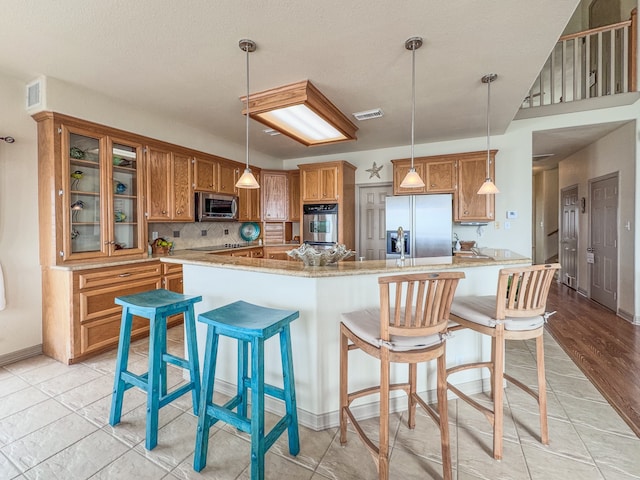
x=488 y=128
x=413 y=100
x=247 y=123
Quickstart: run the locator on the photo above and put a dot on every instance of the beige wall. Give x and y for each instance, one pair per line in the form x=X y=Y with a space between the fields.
x=614 y=153
x=20 y=322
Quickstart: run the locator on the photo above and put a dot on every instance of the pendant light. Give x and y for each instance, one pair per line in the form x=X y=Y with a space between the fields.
x=488 y=187
x=247 y=180
x=412 y=179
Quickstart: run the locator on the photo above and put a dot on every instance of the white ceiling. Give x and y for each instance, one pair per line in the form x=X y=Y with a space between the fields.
x=181 y=59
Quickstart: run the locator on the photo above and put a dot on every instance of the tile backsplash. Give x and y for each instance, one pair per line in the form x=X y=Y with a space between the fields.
x=190 y=235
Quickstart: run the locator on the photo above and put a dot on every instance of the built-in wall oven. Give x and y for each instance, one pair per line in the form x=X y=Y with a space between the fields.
x=320 y=225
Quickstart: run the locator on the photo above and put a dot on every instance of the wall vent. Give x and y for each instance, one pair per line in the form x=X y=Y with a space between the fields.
x=36 y=94
x=369 y=114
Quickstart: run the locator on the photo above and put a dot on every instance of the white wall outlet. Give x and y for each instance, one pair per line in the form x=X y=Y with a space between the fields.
x=512 y=214
x=507 y=225
x=154 y=235
x=496 y=225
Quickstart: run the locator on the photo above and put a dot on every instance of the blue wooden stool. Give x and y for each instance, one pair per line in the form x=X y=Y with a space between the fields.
x=249 y=324
x=156 y=305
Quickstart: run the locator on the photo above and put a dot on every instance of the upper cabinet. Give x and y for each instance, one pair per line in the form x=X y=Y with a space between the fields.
x=461 y=174
x=90 y=191
x=472 y=171
x=169 y=185
x=274 y=186
x=249 y=200
x=319 y=182
x=294 y=195
x=215 y=175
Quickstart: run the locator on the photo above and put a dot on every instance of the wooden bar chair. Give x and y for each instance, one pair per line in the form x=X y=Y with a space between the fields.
x=409 y=327
x=516 y=312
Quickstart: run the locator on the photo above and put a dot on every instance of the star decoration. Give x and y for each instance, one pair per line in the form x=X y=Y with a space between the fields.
x=374 y=170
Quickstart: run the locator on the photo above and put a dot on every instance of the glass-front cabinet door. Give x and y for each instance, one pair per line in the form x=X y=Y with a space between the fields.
x=124 y=206
x=101 y=194
x=84 y=234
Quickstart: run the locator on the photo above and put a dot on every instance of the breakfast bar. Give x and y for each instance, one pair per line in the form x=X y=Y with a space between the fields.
x=321 y=294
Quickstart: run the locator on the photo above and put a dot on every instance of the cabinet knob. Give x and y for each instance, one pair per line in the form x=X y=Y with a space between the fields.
x=164 y=212
x=433 y=184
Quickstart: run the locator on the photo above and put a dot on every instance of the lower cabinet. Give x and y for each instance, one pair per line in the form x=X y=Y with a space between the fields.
x=80 y=318
x=279 y=252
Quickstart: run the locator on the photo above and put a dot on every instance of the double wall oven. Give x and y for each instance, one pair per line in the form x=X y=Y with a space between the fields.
x=320 y=225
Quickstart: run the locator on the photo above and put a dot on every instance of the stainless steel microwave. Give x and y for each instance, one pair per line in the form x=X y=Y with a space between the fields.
x=216 y=207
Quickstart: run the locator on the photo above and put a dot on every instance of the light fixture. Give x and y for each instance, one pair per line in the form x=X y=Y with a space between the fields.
x=301 y=112
x=488 y=187
x=412 y=179
x=247 y=180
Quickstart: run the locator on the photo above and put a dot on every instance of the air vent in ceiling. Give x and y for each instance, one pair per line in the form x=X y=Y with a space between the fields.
x=369 y=114
x=541 y=156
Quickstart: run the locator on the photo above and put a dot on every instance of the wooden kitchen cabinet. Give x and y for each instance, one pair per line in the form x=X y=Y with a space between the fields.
x=249 y=200
x=215 y=175
x=461 y=174
x=279 y=252
x=400 y=170
x=90 y=323
x=172 y=280
x=274 y=186
x=319 y=183
x=90 y=184
x=294 y=195
x=468 y=206
x=169 y=186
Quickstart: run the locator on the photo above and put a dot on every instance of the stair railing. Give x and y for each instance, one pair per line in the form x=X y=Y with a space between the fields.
x=593 y=63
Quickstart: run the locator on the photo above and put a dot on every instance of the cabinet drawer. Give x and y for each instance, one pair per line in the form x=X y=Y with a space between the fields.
x=100 y=302
x=104 y=332
x=111 y=275
x=169 y=268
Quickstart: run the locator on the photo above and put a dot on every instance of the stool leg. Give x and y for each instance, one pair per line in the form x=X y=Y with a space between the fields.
x=122 y=361
x=289 y=390
x=192 y=351
x=243 y=375
x=206 y=397
x=257 y=409
x=162 y=334
x=154 y=380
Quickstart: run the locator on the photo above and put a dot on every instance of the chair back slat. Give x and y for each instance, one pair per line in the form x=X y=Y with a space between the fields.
x=420 y=303
x=524 y=290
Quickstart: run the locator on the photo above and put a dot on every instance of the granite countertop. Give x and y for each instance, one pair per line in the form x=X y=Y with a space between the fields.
x=487 y=257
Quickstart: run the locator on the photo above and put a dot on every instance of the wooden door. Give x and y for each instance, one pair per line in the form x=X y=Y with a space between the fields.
x=182 y=188
x=372 y=242
x=604 y=241
x=329 y=184
x=294 y=196
x=274 y=196
x=569 y=235
x=226 y=178
x=205 y=175
x=158 y=187
x=400 y=171
x=469 y=206
x=310 y=181
x=440 y=177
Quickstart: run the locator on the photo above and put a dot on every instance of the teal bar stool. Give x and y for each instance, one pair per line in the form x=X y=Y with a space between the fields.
x=156 y=305
x=250 y=325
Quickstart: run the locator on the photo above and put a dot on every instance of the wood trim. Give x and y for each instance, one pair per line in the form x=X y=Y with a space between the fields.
x=594 y=31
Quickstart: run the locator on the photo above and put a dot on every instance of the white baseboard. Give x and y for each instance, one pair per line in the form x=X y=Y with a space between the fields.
x=18 y=355
x=362 y=412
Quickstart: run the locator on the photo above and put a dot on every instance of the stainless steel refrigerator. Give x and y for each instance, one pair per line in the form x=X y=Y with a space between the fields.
x=426 y=221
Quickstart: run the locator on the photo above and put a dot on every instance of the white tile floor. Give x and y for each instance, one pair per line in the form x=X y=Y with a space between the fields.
x=53 y=425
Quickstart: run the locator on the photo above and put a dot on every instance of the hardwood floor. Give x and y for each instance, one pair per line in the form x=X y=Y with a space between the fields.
x=605 y=347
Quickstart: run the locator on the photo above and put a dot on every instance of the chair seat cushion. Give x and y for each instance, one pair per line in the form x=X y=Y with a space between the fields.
x=482 y=310
x=366 y=325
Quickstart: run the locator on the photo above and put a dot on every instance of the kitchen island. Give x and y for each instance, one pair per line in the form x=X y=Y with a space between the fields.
x=321 y=294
